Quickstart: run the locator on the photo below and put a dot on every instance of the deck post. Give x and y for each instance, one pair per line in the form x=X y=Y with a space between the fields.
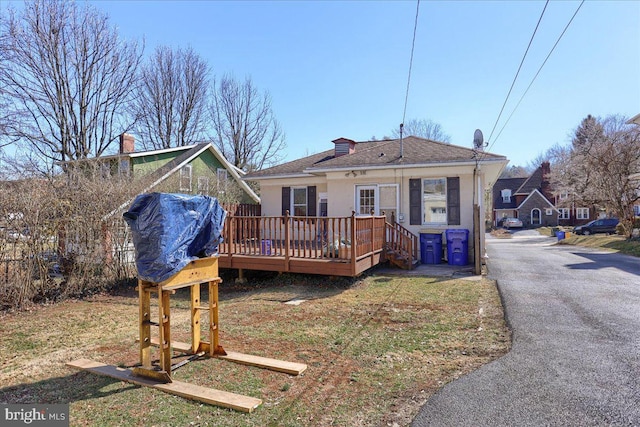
x=230 y=250
x=354 y=245
x=287 y=243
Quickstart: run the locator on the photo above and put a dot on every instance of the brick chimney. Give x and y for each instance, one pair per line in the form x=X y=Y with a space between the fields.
x=344 y=146
x=127 y=143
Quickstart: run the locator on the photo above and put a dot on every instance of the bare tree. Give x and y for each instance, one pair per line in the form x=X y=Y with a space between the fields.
x=423 y=128
x=245 y=129
x=68 y=77
x=597 y=168
x=171 y=99
x=514 y=171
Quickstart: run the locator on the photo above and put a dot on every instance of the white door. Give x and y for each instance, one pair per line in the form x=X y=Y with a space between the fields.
x=366 y=200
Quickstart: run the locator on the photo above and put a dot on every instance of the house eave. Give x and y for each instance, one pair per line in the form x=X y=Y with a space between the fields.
x=404 y=166
x=279 y=176
x=541 y=195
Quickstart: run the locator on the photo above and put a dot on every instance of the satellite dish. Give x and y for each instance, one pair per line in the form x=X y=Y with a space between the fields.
x=478 y=139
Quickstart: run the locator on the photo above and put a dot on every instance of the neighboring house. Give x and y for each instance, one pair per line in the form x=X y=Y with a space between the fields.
x=423 y=185
x=533 y=201
x=636 y=178
x=504 y=200
x=192 y=169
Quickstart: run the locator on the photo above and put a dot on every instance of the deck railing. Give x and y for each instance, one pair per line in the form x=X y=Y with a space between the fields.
x=401 y=241
x=346 y=238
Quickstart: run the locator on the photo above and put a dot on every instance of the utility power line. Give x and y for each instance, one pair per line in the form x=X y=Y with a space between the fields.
x=539 y=69
x=519 y=68
x=413 y=44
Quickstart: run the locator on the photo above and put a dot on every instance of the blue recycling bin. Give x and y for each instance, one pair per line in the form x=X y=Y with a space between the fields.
x=430 y=248
x=265 y=247
x=560 y=235
x=457 y=246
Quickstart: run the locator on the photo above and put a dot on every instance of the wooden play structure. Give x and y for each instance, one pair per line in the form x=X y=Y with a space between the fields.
x=159 y=376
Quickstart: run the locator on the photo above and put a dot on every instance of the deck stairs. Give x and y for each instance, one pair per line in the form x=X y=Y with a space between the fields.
x=401 y=247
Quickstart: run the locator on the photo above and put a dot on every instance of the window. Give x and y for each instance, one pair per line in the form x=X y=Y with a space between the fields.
x=124 y=167
x=506 y=195
x=563 y=195
x=548 y=211
x=388 y=201
x=203 y=185
x=299 y=201
x=582 y=213
x=185 y=178
x=434 y=201
x=563 y=213
x=222 y=177
x=636 y=210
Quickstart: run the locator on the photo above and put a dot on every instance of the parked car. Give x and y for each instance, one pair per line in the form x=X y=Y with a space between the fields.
x=512 y=223
x=606 y=225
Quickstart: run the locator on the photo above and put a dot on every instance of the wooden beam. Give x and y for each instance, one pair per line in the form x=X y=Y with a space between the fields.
x=178 y=388
x=197 y=271
x=290 y=368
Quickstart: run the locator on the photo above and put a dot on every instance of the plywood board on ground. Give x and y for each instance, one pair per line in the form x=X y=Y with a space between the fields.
x=178 y=388
x=291 y=368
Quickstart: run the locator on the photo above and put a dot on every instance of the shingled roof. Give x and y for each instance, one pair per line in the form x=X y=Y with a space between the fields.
x=380 y=155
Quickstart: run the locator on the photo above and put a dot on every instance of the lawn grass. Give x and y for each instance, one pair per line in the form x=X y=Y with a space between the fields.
x=614 y=243
x=376 y=349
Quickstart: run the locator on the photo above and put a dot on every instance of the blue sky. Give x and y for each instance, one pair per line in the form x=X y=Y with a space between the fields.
x=339 y=68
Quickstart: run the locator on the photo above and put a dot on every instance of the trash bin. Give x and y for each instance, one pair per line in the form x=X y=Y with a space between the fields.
x=554 y=230
x=560 y=235
x=265 y=247
x=457 y=246
x=430 y=248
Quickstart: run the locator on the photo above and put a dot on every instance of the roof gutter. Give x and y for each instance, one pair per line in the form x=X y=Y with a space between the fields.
x=401 y=166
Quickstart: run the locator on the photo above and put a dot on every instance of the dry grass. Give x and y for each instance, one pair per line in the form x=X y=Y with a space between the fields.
x=376 y=349
x=612 y=243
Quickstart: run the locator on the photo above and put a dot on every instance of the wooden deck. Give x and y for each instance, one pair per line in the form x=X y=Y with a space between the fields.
x=344 y=246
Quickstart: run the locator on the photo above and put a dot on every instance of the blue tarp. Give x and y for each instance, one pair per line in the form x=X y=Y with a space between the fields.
x=171 y=230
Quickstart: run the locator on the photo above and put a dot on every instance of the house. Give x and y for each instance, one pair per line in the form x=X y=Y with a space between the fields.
x=533 y=201
x=636 y=178
x=192 y=169
x=424 y=186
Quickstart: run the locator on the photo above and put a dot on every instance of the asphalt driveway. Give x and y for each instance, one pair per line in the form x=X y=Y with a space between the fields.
x=575 y=360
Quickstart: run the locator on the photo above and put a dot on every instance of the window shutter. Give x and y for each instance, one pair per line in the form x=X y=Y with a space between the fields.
x=286 y=200
x=311 y=200
x=453 y=201
x=415 y=199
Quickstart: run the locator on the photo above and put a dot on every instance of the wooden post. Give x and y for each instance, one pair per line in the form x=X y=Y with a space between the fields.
x=287 y=244
x=214 y=337
x=230 y=238
x=145 y=323
x=164 y=317
x=477 y=265
x=354 y=245
x=195 y=318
